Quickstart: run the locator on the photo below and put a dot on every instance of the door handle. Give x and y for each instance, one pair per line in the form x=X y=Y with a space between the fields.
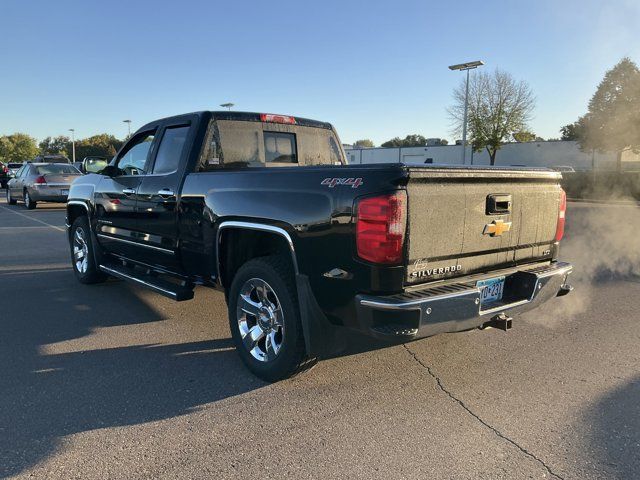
x=499 y=204
x=166 y=193
x=128 y=191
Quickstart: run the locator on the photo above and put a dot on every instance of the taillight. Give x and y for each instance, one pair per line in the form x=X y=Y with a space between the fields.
x=274 y=118
x=5 y=169
x=380 y=228
x=562 y=210
x=40 y=180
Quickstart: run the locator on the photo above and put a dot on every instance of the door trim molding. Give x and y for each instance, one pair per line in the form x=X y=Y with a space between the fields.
x=138 y=244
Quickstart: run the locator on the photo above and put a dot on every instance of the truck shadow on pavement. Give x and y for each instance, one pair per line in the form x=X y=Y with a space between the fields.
x=81 y=385
x=612 y=426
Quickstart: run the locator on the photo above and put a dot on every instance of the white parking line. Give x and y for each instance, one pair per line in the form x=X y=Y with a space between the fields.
x=34 y=219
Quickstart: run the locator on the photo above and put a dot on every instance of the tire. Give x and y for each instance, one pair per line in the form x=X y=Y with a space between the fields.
x=278 y=324
x=28 y=201
x=10 y=201
x=82 y=258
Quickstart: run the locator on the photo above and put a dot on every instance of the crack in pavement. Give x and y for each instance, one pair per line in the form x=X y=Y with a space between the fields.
x=474 y=415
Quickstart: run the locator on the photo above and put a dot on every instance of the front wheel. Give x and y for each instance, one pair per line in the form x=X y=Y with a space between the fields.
x=28 y=201
x=265 y=320
x=10 y=200
x=82 y=258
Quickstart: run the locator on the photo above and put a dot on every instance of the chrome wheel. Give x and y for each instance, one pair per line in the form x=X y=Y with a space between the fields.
x=260 y=320
x=80 y=251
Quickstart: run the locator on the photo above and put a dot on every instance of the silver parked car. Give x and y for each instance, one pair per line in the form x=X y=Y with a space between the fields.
x=41 y=182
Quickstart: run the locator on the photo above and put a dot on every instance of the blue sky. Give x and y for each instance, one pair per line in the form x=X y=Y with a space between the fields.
x=374 y=69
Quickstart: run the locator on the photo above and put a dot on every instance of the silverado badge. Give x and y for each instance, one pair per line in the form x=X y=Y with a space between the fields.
x=496 y=228
x=421 y=269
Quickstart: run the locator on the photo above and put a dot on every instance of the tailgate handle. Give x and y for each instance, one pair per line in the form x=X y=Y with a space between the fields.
x=498 y=204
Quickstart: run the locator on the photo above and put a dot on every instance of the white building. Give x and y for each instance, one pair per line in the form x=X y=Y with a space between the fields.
x=530 y=154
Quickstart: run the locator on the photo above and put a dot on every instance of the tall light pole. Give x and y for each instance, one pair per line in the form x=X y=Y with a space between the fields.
x=73 y=144
x=227 y=105
x=128 y=122
x=466 y=66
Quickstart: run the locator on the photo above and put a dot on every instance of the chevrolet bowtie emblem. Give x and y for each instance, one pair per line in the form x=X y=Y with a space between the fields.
x=496 y=228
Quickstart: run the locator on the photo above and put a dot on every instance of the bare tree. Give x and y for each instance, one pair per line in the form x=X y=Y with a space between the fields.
x=499 y=107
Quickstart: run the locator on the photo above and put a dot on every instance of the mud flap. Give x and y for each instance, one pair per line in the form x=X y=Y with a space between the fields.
x=321 y=337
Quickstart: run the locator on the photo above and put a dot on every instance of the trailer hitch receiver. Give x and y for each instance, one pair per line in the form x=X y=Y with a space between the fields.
x=501 y=321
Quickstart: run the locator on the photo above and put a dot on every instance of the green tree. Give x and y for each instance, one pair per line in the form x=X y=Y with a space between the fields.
x=499 y=107
x=414 y=140
x=102 y=144
x=525 y=136
x=60 y=145
x=612 y=123
x=18 y=147
x=573 y=131
x=364 y=143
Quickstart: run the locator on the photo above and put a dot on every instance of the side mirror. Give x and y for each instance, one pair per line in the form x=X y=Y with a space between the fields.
x=110 y=171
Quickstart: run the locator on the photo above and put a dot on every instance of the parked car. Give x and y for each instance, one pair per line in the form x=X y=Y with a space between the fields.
x=13 y=168
x=564 y=169
x=41 y=182
x=4 y=175
x=51 y=159
x=304 y=246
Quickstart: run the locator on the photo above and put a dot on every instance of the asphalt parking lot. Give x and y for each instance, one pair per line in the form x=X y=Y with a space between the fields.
x=112 y=381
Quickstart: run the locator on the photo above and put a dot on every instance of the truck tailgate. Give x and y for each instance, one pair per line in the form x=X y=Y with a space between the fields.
x=457 y=225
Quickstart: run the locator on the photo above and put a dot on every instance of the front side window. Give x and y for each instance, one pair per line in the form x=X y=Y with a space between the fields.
x=134 y=160
x=170 y=149
x=280 y=147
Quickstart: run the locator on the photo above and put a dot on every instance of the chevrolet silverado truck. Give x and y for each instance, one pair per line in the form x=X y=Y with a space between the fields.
x=305 y=247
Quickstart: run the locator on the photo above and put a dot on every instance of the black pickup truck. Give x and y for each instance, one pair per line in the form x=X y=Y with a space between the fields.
x=304 y=246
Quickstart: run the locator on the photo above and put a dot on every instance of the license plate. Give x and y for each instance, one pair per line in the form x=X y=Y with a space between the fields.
x=64 y=192
x=491 y=290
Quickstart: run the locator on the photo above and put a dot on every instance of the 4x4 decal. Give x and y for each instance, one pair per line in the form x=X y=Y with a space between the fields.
x=332 y=182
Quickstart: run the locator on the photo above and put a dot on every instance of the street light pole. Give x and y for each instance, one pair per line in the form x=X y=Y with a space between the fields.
x=128 y=122
x=464 y=122
x=466 y=66
x=73 y=144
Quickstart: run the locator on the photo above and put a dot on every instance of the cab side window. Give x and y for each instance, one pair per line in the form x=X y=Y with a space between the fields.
x=171 y=149
x=133 y=161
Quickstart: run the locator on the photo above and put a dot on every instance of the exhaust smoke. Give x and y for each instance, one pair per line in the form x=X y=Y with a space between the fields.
x=602 y=241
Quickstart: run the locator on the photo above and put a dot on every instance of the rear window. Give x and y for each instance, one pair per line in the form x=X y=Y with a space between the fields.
x=54 y=160
x=237 y=143
x=57 y=170
x=14 y=165
x=280 y=147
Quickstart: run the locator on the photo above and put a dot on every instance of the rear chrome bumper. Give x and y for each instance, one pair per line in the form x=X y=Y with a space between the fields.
x=456 y=307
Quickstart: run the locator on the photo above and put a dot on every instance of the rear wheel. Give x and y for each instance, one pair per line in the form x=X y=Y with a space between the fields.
x=265 y=320
x=82 y=258
x=10 y=200
x=28 y=201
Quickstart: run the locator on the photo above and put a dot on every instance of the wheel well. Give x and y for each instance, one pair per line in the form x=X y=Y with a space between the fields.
x=238 y=245
x=75 y=211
